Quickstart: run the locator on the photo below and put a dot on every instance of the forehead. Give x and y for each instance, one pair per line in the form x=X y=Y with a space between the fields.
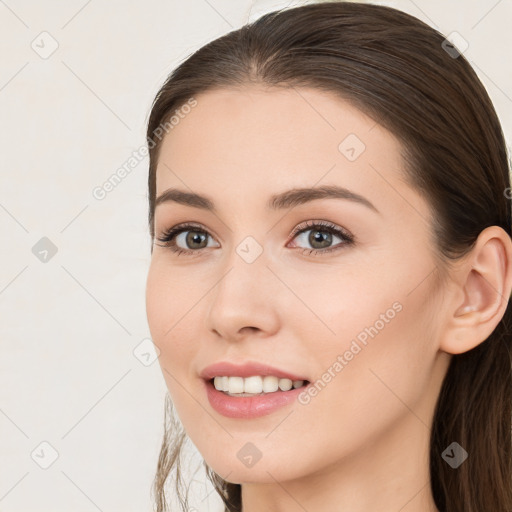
x=295 y=116
x=255 y=140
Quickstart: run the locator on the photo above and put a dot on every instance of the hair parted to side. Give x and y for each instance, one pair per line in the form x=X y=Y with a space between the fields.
x=394 y=68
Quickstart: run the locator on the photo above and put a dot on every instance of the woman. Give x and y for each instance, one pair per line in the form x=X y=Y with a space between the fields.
x=331 y=267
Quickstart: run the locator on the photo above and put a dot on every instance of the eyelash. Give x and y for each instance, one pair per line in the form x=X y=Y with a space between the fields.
x=168 y=236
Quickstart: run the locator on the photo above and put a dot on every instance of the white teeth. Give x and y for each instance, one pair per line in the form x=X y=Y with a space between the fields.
x=285 y=384
x=254 y=385
x=236 y=385
x=270 y=384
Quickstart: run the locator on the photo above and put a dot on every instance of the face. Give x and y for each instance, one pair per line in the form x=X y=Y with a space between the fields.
x=337 y=290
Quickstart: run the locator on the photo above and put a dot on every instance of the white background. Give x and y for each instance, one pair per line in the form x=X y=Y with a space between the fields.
x=69 y=326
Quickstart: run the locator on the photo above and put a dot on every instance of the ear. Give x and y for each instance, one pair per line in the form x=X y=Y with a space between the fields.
x=483 y=283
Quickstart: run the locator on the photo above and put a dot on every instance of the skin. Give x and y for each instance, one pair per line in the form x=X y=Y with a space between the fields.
x=361 y=444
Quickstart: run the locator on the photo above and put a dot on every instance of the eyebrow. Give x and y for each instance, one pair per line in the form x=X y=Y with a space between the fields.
x=287 y=199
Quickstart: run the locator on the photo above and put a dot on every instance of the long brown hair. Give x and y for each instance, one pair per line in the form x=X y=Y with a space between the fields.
x=403 y=74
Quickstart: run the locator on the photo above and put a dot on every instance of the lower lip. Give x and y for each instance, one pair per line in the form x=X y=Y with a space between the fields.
x=247 y=407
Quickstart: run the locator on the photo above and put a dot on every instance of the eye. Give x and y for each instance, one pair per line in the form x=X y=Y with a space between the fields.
x=321 y=236
x=192 y=236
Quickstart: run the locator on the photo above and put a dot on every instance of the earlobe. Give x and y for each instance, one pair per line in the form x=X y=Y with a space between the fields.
x=484 y=280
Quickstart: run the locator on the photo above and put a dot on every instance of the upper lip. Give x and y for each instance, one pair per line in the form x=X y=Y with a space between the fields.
x=248 y=369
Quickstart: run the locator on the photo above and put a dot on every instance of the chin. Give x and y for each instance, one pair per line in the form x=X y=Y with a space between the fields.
x=263 y=471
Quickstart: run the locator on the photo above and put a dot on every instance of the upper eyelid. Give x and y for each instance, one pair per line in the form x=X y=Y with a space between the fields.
x=310 y=224
x=302 y=226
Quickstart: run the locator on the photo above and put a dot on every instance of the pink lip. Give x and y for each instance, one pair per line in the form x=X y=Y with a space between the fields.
x=247 y=407
x=226 y=369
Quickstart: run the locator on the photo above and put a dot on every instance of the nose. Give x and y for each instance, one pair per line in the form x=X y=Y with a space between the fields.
x=245 y=301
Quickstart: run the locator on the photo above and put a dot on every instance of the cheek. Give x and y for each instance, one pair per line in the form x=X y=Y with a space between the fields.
x=363 y=388
x=335 y=305
x=382 y=303
x=169 y=296
x=156 y=299
x=387 y=354
x=170 y=313
x=379 y=334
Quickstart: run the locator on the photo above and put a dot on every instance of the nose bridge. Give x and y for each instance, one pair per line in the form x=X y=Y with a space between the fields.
x=245 y=295
x=245 y=278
